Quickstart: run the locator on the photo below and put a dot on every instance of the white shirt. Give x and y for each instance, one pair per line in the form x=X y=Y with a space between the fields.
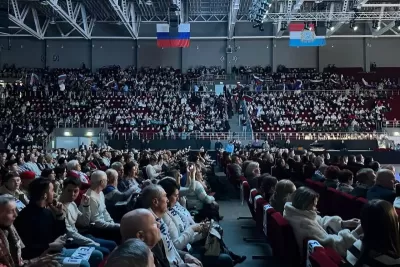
x=72 y=215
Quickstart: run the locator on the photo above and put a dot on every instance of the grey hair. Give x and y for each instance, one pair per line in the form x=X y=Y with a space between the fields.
x=248 y=172
x=149 y=193
x=303 y=197
x=72 y=164
x=117 y=166
x=5 y=199
x=97 y=177
x=132 y=253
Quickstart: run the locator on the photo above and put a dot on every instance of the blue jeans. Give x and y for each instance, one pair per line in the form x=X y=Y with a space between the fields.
x=106 y=246
x=95 y=259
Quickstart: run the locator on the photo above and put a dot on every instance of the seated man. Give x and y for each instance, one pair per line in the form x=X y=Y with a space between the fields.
x=384 y=186
x=132 y=253
x=43 y=229
x=74 y=216
x=365 y=179
x=111 y=193
x=103 y=224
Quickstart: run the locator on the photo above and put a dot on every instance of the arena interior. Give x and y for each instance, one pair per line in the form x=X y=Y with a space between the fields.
x=199 y=133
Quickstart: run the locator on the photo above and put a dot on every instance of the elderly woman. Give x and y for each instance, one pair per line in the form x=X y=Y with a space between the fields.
x=11 y=245
x=111 y=193
x=74 y=170
x=328 y=231
x=11 y=183
x=252 y=172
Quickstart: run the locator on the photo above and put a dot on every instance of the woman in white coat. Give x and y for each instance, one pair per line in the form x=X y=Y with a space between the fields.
x=329 y=231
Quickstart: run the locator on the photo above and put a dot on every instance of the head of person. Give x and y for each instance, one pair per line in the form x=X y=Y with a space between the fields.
x=380 y=224
x=98 y=180
x=73 y=165
x=12 y=181
x=360 y=159
x=153 y=160
x=132 y=253
x=366 y=177
x=318 y=161
x=176 y=175
x=8 y=211
x=267 y=184
x=283 y=191
x=171 y=188
x=389 y=167
x=375 y=166
x=131 y=169
x=332 y=173
x=345 y=177
x=155 y=198
x=119 y=168
x=26 y=178
x=60 y=172
x=70 y=189
x=12 y=165
x=49 y=174
x=236 y=159
x=305 y=198
x=141 y=224
x=41 y=189
x=252 y=170
x=112 y=177
x=343 y=160
x=386 y=179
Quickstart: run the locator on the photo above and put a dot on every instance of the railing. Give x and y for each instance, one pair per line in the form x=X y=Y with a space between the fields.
x=81 y=124
x=391 y=124
x=246 y=136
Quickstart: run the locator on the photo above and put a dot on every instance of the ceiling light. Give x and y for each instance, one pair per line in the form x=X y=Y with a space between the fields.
x=148 y=2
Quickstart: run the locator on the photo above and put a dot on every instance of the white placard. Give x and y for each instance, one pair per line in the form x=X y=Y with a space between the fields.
x=81 y=254
x=250 y=199
x=265 y=218
x=255 y=202
x=311 y=245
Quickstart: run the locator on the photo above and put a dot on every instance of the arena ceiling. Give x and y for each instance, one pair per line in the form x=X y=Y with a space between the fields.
x=74 y=18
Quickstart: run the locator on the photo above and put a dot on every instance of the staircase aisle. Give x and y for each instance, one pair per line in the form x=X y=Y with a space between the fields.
x=234 y=123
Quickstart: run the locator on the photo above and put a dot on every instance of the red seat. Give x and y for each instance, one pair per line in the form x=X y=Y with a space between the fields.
x=283 y=241
x=267 y=213
x=319 y=259
x=245 y=189
x=260 y=203
x=320 y=188
x=250 y=202
x=338 y=200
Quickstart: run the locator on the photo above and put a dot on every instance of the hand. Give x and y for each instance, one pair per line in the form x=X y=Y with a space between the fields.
x=85 y=200
x=192 y=260
x=359 y=230
x=58 y=244
x=96 y=244
x=44 y=261
x=353 y=223
x=56 y=208
x=197 y=228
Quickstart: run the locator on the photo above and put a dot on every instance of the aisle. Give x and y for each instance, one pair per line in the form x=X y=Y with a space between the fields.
x=233 y=235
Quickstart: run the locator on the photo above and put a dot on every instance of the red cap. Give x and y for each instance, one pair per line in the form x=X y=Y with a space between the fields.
x=27 y=175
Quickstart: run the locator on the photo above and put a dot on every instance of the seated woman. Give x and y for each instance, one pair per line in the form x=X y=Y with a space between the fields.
x=331 y=176
x=200 y=201
x=302 y=215
x=183 y=191
x=182 y=235
x=129 y=179
x=283 y=190
x=11 y=183
x=345 y=178
x=111 y=193
x=380 y=245
x=266 y=186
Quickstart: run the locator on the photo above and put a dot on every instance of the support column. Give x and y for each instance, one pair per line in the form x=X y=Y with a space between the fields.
x=366 y=50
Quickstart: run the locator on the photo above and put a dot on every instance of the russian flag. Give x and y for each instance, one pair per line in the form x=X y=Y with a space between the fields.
x=172 y=37
x=62 y=78
x=304 y=37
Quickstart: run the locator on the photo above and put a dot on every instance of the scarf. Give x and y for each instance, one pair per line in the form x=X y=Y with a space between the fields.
x=10 y=247
x=176 y=219
x=184 y=215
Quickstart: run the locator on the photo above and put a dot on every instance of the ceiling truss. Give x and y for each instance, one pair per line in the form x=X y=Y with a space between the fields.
x=127 y=15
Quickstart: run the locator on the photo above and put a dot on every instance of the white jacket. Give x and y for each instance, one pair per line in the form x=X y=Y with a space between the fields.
x=307 y=224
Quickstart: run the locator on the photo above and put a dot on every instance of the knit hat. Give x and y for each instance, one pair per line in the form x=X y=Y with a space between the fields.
x=27 y=175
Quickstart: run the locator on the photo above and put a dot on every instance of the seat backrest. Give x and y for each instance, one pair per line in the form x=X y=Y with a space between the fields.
x=260 y=203
x=268 y=210
x=246 y=191
x=341 y=204
x=320 y=259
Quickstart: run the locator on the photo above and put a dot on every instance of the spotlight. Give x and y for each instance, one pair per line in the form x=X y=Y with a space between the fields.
x=397 y=24
x=353 y=25
x=355 y=28
x=261 y=28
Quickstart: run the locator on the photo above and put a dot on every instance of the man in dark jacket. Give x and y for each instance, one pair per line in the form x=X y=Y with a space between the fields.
x=365 y=179
x=384 y=186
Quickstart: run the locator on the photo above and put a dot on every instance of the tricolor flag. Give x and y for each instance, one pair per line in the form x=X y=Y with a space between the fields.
x=173 y=37
x=62 y=78
x=34 y=79
x=299 y=36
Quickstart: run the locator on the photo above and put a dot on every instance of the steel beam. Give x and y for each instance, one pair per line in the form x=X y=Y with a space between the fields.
x=360 y=3
x=384 y=29
x=339 y=24
x=71 y=15
x=279 y=31
x=297 y=6
x=18 y=17
x=128 y=17
x=232 y=17
x=178 y=3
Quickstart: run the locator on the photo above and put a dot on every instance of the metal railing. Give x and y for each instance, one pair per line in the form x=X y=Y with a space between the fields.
x=119 y=135
x=391 y=124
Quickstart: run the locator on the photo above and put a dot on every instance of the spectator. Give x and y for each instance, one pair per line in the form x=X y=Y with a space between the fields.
x=31 y=165
x=43 y=229
x=26 y=178
x=129 y=180
x=132 y=253
x=306 y=223
x=235 y=169
x=345 y=178
x=380 y=245
x=252 y=173
x=119 y=167
x=384 y=186
x=111 y=193
x=74 y=170
x=283 y=191
x=331 y=176
x=104 y=226
x=11 y=186
x=365 y=180
x=12 y=245
x=152 y=169
x=267 y=184
x=60 y=173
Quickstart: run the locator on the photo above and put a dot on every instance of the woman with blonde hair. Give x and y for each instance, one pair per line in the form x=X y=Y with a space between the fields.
x=283 y=190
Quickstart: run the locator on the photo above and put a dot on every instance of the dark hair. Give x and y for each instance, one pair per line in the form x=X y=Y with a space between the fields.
x=169 y=185
x=59 y=170
x=9 y=176
x=332 y=172
x=10 y=162
x=375 y=166
x=46 y=173
x=267 y=187
x=345 y=176
x=61 y=161
x=381 y=230
x=73 y=181
x=37 y=188
x=128 y=167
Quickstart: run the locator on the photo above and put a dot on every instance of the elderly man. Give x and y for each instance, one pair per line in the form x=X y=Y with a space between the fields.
x=111 y=193
x=152 y=169
x=31 y=165
x=235 y=169
x=103 y=225
x=155 y=200
x=74 y=170
x=132 y=253
x=384 y=186
x=119 y=168
x=365 y=180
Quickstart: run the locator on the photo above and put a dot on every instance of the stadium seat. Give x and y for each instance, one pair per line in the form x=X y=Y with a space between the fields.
x=341 y=204
x=250 y=202
x=259 y=212
x=320 y=188
x=319 y=259
x=267 y=212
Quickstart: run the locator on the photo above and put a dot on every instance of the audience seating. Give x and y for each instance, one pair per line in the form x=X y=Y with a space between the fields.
x=337 y=200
